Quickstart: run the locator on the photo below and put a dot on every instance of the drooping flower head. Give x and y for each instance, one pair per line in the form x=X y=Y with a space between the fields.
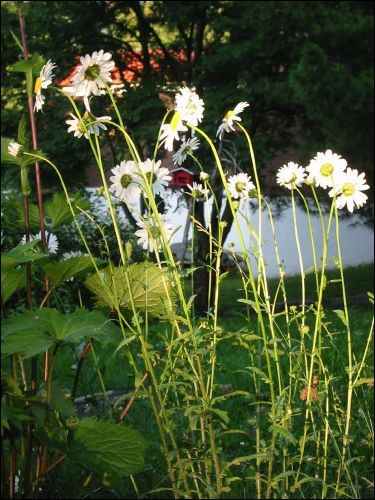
x=189 y=104
x=125 y=182
x=349 y=190
x=93 y=124
x=184 y=150
x=157 y=177
x=240 y=186
x=291 y=175
x=197 y=191
x=51 y=239
x=170 y=131
x=149 y=235
x=15 y=149
x=326 y=168
x=92 y=73
x=42 y=82
x=229 y=118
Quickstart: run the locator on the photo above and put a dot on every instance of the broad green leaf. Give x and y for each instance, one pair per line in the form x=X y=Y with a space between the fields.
x=150 y=289
x=33 y=332
x=107 y=447
x=24 y=252
x=76 y=267
x=11 y=281
x=12 y=416
x=33 y=64
x=341 y=315
x=58 y=211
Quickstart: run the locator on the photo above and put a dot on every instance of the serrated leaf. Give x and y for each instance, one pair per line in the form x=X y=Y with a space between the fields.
x=150 y=289
x=107 y=447
x=21 y=135
x=24 y=252
x=75 y=267
x=33 y=332
x=287 y=435
x=33 y=217
x=11 y=281
x=58 y=211
x=340 y=314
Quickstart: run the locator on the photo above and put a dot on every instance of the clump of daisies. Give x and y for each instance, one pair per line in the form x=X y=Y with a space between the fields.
x=240 y=186
x=328 y=170
x=227 y=125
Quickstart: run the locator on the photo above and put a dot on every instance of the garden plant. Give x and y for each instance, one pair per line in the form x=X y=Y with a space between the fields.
x=292 y=418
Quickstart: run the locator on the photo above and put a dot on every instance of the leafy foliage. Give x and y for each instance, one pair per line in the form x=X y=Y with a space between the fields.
x=34 y=332
x=143 y=284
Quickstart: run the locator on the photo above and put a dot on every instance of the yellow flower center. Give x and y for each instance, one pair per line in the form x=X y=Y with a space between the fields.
x=175 y=121
x=38 y=84
x=326 y=169
x=228 y=115
x=348 y=189
x=292 y=179
x=240 y=186
x=92 y=72
x=126 y=180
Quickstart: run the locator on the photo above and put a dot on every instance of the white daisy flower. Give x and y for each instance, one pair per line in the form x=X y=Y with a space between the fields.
x=170 y=131
x=349 y=190
x=190 y=106
x=149 y=234
x=240 y=186
x=93 y=71
x=229 y=118
x=42 y=82
x=326 y=169
x=158 y=177
x=291 y=175
x=197 y=190
x=15 y=149
x=52 y=241
x=93 y=124
x=125 y=181
x=186 y=148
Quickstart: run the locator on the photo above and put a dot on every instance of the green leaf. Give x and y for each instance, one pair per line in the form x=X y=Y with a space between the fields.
x=75 y=267
x=24 y=252
x=21 y=135
x=150 y=288
x=58 y=211
x=11 y=281
x=33 y=332
x=107 y=447
x=33 y=217
x=341 y=315
x=16 y=39
x=287 y=435
x=34 y=64
x=260 y=373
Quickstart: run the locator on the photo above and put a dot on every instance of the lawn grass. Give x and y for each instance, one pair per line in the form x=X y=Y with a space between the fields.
x=358 y=281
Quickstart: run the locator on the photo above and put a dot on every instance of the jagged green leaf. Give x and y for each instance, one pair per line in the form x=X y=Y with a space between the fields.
x=11 y=281
x=33 y=332
x=75 y=267
x=106 y=447
x=144 y=283
x=25 y=252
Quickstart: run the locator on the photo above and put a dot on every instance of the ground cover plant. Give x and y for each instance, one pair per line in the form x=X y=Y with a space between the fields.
x=272 y=401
